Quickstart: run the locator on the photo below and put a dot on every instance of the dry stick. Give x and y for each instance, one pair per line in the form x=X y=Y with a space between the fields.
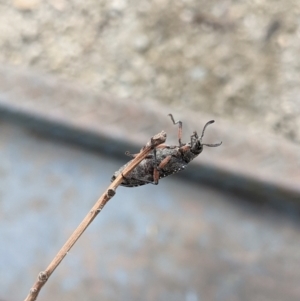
x=106 y=196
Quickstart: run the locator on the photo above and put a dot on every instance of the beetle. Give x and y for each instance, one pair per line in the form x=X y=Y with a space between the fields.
x=165 y=159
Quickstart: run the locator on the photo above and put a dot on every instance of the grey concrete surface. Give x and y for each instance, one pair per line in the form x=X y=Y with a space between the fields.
x=254 y=162
x=232 y=59
x=175 y=241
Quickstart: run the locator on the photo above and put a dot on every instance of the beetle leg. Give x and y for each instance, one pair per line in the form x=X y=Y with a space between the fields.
x=158 y=168
x=179 y=128
x=164 y=146
x=184 y=149
x=127 y=153
x=134 y=155
x=124 y=179
x=164 y=162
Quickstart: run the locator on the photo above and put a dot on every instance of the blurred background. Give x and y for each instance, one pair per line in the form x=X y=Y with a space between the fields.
x=235 y=59
x=81 y=82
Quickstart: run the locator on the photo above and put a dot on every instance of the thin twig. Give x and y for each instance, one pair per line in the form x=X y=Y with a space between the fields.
x=106 y=196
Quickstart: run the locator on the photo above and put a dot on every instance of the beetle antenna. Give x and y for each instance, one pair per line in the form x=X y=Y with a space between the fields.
x=213 y=145
x=210 y=145
x=206 y=125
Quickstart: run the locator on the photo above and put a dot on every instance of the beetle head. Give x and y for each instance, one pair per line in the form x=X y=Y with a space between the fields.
x=196 y=142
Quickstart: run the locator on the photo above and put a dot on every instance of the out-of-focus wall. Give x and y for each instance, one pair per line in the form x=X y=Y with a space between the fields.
x=235 y=59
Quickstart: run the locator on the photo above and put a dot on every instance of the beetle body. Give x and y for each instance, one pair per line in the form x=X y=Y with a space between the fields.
x=164 y=160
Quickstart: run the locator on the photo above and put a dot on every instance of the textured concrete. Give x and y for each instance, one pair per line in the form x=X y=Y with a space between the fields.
x=253 y=162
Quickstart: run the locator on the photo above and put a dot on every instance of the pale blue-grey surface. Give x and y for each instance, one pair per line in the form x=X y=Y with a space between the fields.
x=174 y=241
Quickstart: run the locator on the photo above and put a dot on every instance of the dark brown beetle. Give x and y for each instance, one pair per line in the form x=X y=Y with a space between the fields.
x=165 y=160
